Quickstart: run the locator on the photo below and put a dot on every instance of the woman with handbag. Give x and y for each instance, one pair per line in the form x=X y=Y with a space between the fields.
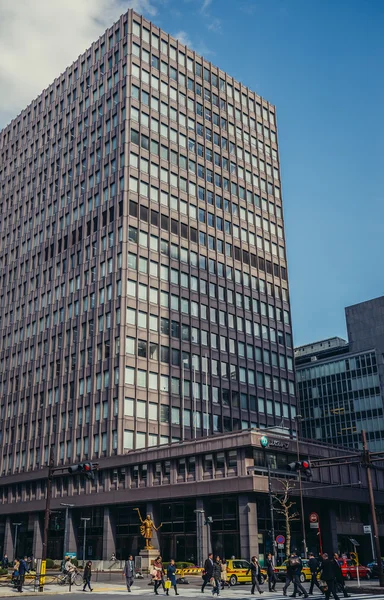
x=171 y=574
x=157 y=574
x=224 y=575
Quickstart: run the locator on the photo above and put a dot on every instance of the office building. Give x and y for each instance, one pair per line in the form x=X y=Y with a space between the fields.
x=341 y=384
x=145 y=318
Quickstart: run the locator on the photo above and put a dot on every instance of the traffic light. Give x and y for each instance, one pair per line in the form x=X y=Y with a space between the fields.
x=86 y=469
x=301 y=466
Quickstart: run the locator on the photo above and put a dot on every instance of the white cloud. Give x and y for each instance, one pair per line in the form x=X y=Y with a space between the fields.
x=215 y=25
x=205 y=5
x=183 y=37
x=40 y=38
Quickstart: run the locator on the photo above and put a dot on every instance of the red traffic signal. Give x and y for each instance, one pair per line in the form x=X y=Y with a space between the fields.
x=86 y=469
x=301 y=466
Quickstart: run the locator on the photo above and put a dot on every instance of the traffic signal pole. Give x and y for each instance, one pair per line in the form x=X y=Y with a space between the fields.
x=367 y=463
x=272 y=515
x=301 y=495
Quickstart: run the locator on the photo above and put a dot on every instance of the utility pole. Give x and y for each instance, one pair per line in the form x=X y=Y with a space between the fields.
x=298 y=419
x=85 y=519
x=272 y=515
x=368 y=464
x=46 y=514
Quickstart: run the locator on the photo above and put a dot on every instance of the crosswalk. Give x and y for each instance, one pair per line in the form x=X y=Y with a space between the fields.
x=232 y=593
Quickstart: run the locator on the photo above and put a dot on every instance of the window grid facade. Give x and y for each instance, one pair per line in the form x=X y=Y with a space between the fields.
x=144 y=280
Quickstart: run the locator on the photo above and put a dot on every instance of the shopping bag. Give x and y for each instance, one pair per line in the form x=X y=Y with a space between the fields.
x=168 y=584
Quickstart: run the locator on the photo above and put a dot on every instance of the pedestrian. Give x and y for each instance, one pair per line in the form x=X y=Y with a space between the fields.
x=224 y=575
x=5 y=561
x=340 y=583
x=87 y=576
x=254 y=567
x=314 y=566
x=272 y=579
x=129 y=572
x=207 y=573
x=157 y=574
x=328 y=574
x=70 y=569
x=171 y=574
x=23 y=569
x=216 y=576
x=294 y=568
x=113 y=557
x=15 y=573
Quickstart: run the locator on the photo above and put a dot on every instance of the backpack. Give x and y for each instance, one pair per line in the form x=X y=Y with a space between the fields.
x=294 y=561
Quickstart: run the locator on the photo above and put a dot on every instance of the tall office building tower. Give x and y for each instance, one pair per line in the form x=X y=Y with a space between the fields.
x=144 y=290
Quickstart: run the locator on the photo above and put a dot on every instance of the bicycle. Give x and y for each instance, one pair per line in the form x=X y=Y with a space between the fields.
x=75 y=578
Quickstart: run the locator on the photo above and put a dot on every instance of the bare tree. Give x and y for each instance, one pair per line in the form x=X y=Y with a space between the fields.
x=285 y=507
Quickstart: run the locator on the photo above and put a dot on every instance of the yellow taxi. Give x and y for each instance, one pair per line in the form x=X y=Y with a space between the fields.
x=237 y=569
x=305 y=574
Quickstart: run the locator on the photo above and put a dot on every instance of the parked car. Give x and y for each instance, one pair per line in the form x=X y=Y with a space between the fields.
x=349 y=569
x=374 y=567
x=237 y=569
x=281 y=571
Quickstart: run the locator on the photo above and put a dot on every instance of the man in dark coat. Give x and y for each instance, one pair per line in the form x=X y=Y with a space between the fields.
x=340 y=583
x=328 y=574
x=208 y=569
x=313 y=565
x=294 y=568
x=271 y=573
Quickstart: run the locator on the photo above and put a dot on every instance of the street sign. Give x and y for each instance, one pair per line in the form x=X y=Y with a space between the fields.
x=314 y=526
x=71 y=554
x=280 y=546
x=280 y=539
x=313 y=518
x=367 y=529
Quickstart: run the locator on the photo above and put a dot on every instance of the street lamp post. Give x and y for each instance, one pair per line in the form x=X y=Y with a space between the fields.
x=298 y=419
x=16 y=526
x=85 y=519
x=66 y=544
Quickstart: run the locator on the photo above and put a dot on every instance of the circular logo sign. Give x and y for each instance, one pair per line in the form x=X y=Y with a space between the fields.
x=313 y=518
x=264 y=441
x=280 y=539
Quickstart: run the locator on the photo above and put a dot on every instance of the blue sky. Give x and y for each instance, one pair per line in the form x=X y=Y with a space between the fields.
x=319 y=61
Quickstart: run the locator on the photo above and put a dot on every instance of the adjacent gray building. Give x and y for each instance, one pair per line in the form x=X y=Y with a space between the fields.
x=341 y=384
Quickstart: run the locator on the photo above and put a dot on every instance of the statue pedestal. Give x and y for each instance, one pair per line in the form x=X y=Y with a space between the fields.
x=147 y=558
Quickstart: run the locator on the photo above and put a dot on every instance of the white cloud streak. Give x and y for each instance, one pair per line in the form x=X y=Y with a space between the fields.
x=40 y=38
x=183 y=37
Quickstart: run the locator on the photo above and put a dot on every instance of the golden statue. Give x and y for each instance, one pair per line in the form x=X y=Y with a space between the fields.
x=146 y=528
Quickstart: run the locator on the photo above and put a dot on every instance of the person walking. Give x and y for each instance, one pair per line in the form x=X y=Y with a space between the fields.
x=314 y=566
x=23 y=569
x=5 y=561
x=216 y=576
x=294 y=568
x=15 y=573
x=158 y=574
x=272 y=579
x=129 y=572
x=328 y=574
x=87 y=576
x=208 y=568
x=171 y=574
x=340 y=583
x=254 y=567
x=224 y=575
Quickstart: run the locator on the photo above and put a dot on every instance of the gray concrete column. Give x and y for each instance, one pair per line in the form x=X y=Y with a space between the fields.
x=205 y=529
x=72 y=534
x=328 y=524
x=109 y=535
x=37 y=545
x=249 y=533
x=9 y=542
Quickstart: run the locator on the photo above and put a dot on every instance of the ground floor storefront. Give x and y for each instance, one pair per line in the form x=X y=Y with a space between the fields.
x=207 y=494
